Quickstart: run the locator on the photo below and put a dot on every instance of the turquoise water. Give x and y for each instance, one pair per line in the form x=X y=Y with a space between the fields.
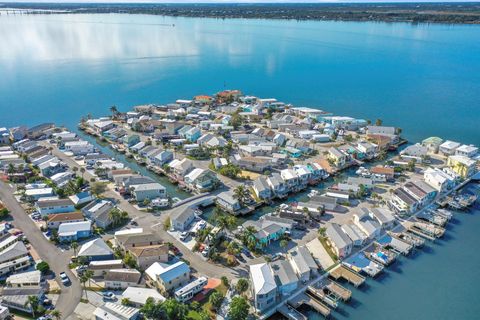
x=425 y=79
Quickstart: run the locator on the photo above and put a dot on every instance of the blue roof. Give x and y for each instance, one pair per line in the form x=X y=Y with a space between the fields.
x=174 y=271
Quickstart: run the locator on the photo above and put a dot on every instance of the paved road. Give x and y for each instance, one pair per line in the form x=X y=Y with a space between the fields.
x=58 y=260
x=154 y=222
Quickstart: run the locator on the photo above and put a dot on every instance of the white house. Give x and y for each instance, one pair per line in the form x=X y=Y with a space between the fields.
x=149 y=191
x=264 y=288
x=79 y=147
x=448 y=148
x=438 y=179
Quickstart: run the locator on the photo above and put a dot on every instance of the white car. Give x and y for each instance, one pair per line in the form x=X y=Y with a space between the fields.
x=64 y=278
x=183 y=236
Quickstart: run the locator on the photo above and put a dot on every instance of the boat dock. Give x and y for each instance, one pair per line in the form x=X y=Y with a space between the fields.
x=339 y=291
x=322 y=296
x=360 y=263
x=394 y=244
x=311 y=302
x=291 y=313
x=427 y=230
x=348 y=274
x=380 y=254
x=432 y=217
x=409 y=238
x=445 y=213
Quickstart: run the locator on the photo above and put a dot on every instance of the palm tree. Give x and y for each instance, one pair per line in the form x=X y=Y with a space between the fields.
x=241 y=194
x=115 y=216
x=114 y=111
x=56 y=314
x=33 y=302
x=82 y=171
x=84 y=278
x=74 y=246
x=11 y=168
x=75 y=169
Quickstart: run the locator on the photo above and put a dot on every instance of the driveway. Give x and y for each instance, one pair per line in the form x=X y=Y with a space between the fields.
x=58 y=260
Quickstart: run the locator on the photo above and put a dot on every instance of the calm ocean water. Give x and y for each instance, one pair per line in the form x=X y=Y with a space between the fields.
x=425 y=79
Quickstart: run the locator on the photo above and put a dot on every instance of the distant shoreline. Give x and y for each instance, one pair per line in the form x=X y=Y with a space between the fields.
x=445 y=13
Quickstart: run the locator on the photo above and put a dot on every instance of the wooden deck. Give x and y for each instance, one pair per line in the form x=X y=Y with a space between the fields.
x=340 y=291
x=347 y=274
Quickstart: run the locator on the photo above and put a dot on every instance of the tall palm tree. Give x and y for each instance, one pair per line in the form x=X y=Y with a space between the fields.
x=241 y=194
x=56 y=314
x=84 y=278
x=115 y=216
x=33 y=302
x=82 y=171
x=74 y=246
x=114 y=111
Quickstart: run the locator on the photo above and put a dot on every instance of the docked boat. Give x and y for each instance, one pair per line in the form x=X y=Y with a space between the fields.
x=313 y=193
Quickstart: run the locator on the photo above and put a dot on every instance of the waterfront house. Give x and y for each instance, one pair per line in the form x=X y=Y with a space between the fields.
x=327 y=203
x=148 y=191
x=95 y=250
x=114 y=134
x=338 y=240
x=264 y=287
x=277 y=184
x=18 y=133
x=92 y=158
x=467 y=151
x=167 y=278
x=181 y=167
x=416 y=152
x=368 y=149
x=40 y=130
x=304 y=174
x=49 y=206
x=290 y=177
x=201 y=180
x=138 y=296
x=438 y=179
x=383 y=216
x=354 y=233
x=368 y=225
x=73 y=231
x=382 y=173
x=162 y=158
x=100 y=126
x=403 y=202
x=285 y=277
x=432 y=144
x=121 y=279
x=131 y=140
x=302 y=263
x=145 y=256
x=462 y=166
x=448 y=148
x=54 y=220
x=390 y=132
x=261 y=188
x=181 y=219
x=98 y=212
x=228 y=202
x=337 y=157
x=255 y=164
x=421 y=191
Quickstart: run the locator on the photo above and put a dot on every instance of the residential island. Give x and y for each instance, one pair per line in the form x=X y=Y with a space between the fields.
x=422 y=12
x=216 y=207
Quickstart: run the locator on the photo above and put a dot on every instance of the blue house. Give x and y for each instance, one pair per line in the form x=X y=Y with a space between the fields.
x=131 y=140
x=50 y=206
x=73 y=231
x=193 y=134
x=293 y=152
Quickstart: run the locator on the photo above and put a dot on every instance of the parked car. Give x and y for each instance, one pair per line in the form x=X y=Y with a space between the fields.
x=184 y=236
x=109 y=296
x=65 y=279
x=205 y=251
x=276 y=256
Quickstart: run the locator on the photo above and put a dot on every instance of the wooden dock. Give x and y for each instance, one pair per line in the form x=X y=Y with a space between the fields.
x=347 y=274
x=291 y=313
x=339 y=291
x=322 y=296
x=311 y=302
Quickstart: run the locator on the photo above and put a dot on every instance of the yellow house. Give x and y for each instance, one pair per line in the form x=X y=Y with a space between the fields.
x=463 y=166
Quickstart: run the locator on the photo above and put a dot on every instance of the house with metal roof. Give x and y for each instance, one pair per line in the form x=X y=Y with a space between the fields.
x=73 y=231
x=49 y=206
x=149 y=191
x=138 y=296
x=262 y=189
x=14 y=256
x=180 y=219
x=227 y=202
x=269 y=228
x=338 y=240
x=285 y=277
x=98 y=212
x=95 y=250
x=113 y=311
x=120 y=279
x=168 y=277
x=264 y=287
x=302 y=262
